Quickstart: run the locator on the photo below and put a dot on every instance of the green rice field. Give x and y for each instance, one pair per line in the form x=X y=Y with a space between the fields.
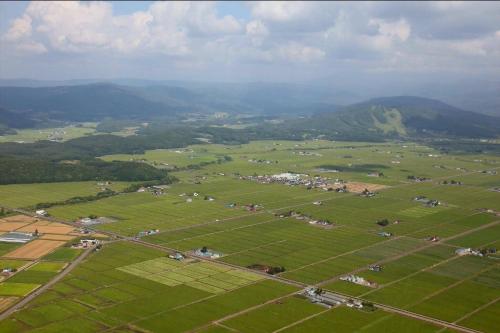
x=130 y=285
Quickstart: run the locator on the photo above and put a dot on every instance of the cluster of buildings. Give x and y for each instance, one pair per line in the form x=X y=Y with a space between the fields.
x=451 y=182
x=323 y=297
x=207 y=253
x=490 y=211
x=262 y=161
x=176 y=256
x=86 y=243
x=8 y=271
x=385 y=234
x=271 y=270
x=375 y=174
x=418 y=179
x=489 y=172
x=41 y=212
x=433 y=239
x=155 y=190
x=367 y=193
x=147 y=233
x=358 y=280
x=375 y=268
x=475 y=252
x=306 y=218
x=426 y=201
x=306 y=153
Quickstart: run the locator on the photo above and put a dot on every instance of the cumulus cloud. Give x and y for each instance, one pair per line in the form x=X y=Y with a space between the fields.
x=257 y=31
x=88 y=26
x=194 y=35
x=296 y=52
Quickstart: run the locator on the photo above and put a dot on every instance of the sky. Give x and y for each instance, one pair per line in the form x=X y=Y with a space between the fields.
x=250 y=41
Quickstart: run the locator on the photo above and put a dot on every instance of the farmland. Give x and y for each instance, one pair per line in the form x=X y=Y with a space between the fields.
x=131 y=284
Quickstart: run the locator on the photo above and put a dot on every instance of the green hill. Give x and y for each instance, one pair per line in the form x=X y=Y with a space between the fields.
x=403 y=116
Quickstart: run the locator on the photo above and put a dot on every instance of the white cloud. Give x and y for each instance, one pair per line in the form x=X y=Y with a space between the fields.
x=400 y=29
x=257 y=31
x=20 y=28
x=296 y=52
x=280 y=11
x=193 y=35
x=166 y=27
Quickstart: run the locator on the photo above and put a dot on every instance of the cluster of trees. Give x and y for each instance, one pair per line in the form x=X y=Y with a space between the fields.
x=28 y=170
x=76 y=200
x=383 y=222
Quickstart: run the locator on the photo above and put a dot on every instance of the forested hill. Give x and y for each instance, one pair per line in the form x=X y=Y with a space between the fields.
x=403 y=117
x=80 y=103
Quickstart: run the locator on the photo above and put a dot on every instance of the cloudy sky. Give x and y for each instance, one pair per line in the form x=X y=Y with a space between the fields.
x=248 y=41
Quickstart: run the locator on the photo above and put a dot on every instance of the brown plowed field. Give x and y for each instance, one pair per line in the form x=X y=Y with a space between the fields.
x=34 y=249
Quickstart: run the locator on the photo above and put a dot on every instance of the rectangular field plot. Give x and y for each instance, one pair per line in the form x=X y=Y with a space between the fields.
x=23 y=195
x=484 y=320
x=445 y=305
x=346 y=320
x=274 y=316
x=17 y=289
x=211 y=277
x=421 y=211
x=34 y=249
x=6 y=302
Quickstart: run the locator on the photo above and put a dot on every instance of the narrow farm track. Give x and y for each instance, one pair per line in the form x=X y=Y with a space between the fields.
x=46 y=286
x=303 y=285
x=426 y=246
x=118 y=237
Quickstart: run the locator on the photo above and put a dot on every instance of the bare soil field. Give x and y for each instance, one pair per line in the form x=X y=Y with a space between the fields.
x=34 y=249
x=52 y=228
x=11 y=226
x=5 y=302
x=57 y=237
x=20 y=218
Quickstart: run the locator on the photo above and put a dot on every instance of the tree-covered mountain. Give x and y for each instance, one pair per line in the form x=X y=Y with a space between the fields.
x=400 y=117
x=80 y=103
x=10 y=120
x=96 y=101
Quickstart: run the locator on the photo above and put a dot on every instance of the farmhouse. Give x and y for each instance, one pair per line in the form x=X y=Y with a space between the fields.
x=367 y=193
x=16 y=237
x=207 y=253
x=176 y=256
x=41 y=212
x=375 y=268
x=385 y=234
x=147 y=233
x=86 y=243
x=358 y=280
x=428 y=202
x=326 y=298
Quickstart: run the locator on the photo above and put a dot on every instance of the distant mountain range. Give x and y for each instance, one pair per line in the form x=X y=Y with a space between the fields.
x=403 y=116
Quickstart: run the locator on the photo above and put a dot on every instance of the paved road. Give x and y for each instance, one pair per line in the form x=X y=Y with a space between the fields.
x=40 y=290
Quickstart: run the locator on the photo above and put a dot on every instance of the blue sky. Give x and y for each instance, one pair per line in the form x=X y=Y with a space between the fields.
x=250 y=41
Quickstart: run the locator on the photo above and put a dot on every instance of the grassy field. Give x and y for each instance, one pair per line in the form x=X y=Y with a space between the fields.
x=127 y=286
x=62 y=133
x=24 y=195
